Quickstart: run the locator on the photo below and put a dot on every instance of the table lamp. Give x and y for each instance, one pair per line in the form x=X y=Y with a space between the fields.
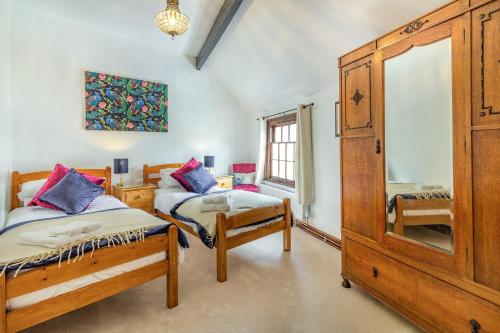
x=209 y=162
x=120 y=168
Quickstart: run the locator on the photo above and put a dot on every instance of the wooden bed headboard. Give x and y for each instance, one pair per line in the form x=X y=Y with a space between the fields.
x=20 y=178
x=151 y=174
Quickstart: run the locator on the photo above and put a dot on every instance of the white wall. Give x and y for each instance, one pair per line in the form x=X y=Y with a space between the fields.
x=325 y=212
x=5 y=111
x=50 y=55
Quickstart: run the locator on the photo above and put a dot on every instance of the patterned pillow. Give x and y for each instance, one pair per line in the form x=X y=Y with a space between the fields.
x=200 y=180
x=57 y=174
x=179 y=173
x=167 y=181
x=244 y=178
x=73 y=194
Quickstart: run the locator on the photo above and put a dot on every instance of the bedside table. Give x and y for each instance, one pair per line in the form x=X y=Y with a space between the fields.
x=136 y=196
x=225 y=182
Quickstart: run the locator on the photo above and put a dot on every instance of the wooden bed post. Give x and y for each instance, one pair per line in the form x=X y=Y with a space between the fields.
x=221 y=248
x=14 y=189
x=173 y=264
x=398 y=222
x=3 y=303
x=145 y=173
x=287 y=232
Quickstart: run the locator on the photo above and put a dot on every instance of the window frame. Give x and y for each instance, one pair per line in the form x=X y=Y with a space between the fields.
x=270 y=128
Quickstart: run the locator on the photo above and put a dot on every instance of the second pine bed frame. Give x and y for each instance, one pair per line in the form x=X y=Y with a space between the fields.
x=225 y=223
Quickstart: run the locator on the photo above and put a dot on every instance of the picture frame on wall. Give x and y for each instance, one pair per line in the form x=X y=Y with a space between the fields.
x=115 y=103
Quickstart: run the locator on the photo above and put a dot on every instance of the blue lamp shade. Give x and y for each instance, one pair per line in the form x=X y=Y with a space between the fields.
x=209 y=161
x=121 y=166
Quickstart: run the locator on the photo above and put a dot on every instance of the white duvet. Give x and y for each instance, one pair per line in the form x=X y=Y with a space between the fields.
x=102 y=203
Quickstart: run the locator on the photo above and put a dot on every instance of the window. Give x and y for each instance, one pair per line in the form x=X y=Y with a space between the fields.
x=280 y=154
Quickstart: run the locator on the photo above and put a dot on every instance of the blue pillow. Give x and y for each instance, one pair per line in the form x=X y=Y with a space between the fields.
x=73 y=194
x=200 y=180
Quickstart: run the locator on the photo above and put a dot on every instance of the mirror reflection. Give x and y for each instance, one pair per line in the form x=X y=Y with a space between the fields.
x=418 y=141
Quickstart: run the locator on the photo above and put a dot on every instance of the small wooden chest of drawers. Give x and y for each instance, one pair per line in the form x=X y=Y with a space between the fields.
x=225 y=182
x=139 y=196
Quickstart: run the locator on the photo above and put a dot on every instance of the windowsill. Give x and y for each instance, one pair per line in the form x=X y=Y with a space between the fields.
x=278 y=186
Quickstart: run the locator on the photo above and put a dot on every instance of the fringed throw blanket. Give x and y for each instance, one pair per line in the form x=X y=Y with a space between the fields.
x=189 y=210
x=118 y=227
x=418 y=196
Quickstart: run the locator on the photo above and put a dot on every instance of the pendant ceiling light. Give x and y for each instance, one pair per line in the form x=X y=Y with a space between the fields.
x=171 y=21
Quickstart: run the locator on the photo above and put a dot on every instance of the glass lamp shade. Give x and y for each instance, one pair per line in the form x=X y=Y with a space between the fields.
x=209 y=161
x=120 y=166
x=171 y=21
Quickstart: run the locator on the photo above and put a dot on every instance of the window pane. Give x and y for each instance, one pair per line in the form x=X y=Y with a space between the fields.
x=289 y=171
x=275 y=155
x=277 y=134
x=290 y=152
x=293 y=132
x=285 y=133
x=274 y=169
x=282 y=151
x=282 y=172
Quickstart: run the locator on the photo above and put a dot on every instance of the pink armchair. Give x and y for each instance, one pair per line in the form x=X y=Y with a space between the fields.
x=245 y=168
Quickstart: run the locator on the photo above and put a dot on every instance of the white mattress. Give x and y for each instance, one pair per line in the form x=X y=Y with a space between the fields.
x=65 y=287
x=167 y=198
x=104 y=202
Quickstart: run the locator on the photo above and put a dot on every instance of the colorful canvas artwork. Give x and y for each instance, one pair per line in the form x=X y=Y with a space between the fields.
x=114 y=103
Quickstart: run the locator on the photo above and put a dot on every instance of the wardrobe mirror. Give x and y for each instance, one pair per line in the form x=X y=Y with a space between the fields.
x=419 y=145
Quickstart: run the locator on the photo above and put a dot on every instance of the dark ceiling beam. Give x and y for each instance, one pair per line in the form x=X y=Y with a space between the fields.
x=226 y=14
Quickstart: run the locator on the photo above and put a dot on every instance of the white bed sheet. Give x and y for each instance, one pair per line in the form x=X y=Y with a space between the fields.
x=167 y=198
x=103 y=202
x=31 y=213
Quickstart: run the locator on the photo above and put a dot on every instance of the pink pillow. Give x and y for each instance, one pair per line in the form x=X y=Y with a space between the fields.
x=179 y=173
x=57 y=174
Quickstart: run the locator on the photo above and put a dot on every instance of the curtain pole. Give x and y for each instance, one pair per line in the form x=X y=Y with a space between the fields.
x=276 y=114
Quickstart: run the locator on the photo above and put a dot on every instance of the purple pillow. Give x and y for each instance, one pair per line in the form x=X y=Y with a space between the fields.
x=73 y=194
x=200 y=180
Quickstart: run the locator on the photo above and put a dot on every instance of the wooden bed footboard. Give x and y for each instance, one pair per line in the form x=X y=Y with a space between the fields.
x=46 y=276
x=418 y=220
x=281 y=212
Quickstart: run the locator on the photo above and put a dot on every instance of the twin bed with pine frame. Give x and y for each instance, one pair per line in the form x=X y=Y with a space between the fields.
x=282 y=214
x=50 y=275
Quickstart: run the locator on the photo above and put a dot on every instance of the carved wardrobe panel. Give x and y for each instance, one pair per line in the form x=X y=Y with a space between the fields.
x=359 y=186
x=357 y=99
x=486 y=64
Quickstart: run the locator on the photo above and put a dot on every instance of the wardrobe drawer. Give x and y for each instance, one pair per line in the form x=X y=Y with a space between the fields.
x=385 y=276
x=451 y=309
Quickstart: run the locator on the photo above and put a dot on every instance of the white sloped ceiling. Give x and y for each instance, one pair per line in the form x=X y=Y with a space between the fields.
x=273 y=51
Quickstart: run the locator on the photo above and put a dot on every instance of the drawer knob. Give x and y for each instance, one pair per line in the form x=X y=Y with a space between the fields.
x=375 y=272
x=137 y=197
x=475 y=326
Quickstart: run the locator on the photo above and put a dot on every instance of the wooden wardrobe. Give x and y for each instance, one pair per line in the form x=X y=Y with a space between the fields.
x=444 y=277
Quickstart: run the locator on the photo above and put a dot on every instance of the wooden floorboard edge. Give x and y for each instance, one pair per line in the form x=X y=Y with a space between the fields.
x=325 y=237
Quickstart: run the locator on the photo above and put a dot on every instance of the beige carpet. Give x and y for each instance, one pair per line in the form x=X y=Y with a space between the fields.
x=267 y=291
